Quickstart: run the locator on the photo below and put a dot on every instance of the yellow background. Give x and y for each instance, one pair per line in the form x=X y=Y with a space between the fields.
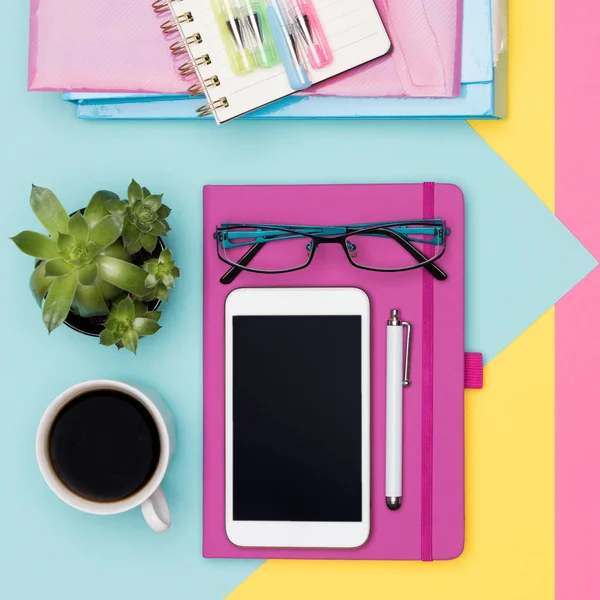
x=509 y=425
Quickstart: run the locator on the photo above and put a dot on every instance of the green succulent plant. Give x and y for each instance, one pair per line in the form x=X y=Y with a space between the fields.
x=127 y=322
x=145 y=218
x=82 y=265
x=161 y=275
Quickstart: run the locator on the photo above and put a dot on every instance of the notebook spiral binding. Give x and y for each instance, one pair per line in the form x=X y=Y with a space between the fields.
x=182 y=47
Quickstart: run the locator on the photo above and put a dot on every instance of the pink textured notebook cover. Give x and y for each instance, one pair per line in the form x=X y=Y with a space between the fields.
x=434 y=528
x=118 y=46
x=426 y=57
x=100 y=46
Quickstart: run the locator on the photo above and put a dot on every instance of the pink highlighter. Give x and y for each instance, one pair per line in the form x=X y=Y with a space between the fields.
x=311 y=33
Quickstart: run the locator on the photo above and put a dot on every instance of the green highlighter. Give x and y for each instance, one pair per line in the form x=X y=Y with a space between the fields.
x=255 y=16
x=235 y=35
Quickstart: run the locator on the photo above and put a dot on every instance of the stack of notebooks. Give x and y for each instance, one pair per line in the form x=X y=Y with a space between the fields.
x=320 y=59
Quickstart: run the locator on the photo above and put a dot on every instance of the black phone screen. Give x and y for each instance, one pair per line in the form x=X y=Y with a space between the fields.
x=297 y=418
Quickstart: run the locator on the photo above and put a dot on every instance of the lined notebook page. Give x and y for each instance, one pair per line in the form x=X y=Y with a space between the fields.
x=353 y=29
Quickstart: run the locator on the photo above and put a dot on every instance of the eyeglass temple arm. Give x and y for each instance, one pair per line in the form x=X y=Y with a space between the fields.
x=431 y=267
x=232 y=273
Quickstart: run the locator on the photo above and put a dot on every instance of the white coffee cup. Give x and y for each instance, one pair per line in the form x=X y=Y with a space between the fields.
x=150 y=497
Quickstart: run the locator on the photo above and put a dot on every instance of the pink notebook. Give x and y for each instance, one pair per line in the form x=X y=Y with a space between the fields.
x=118 y=46
x=430 y=523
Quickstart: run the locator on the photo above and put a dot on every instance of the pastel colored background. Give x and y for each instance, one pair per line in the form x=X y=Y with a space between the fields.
x=507 y=172
x=577 y=343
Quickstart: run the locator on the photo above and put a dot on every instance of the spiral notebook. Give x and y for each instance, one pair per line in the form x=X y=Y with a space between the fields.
x=430 y=524
x=353 y=29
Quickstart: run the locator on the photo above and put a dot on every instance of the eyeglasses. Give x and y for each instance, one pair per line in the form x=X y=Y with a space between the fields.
x=386 y=247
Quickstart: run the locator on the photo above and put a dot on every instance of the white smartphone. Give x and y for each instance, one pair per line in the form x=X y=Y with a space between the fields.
x=297 y=417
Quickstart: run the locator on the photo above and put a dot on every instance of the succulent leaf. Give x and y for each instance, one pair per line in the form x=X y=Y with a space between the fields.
x=48 y=209
x=39 y=283
x=130 y=341
x=57 y=267
x=58 y=301
x=122 y=274
x=109 y=291
x=36 y=244
x=140 y=310
x=158 y=228
x=131 y=234
x=134 y=191
x=163 y=212
x=148 y=241
x=89 y=300
x=112 y=322
x=125 y=310
x=92 y=250
x=87 y=274
x=78 y=227
x=117 y=250
x=65 y=241
x=151 y=266
x=143 y=227
x=151 y=280
x=161 y=292
x=135 y=247
x=107 y=338
x=166 y=255
x=116 y=207
x=154 y=201
x=143 y=326
x=97 y=206
x=107 y=231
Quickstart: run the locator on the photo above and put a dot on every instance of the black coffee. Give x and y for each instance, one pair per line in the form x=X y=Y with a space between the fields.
x=104 y=445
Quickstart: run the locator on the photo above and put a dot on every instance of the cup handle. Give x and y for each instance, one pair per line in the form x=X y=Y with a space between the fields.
x=156 y=511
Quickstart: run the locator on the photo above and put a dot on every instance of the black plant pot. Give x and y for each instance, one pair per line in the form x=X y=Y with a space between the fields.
x=93 y=326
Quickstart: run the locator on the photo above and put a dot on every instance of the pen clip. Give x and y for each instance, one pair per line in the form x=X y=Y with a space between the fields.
x=406 y=380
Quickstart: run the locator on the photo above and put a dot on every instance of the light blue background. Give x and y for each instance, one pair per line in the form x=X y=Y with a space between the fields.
x=520 y=260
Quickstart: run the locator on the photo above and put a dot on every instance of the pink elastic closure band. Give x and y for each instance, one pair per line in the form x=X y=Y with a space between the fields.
x=427 y=406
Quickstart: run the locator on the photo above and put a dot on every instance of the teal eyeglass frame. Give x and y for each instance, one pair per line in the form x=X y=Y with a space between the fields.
x=403 y=232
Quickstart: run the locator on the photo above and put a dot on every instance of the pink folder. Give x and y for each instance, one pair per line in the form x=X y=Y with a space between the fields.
x=100 y=46
x=118 y=46
x=425 y=61
x=430 y=523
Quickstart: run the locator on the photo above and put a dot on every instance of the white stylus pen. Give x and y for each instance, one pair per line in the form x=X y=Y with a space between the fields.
x=396 y=381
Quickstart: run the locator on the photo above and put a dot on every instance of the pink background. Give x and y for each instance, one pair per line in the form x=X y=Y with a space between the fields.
x=577 y=332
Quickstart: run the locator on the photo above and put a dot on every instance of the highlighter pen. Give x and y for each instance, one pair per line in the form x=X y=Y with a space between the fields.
x=235 y=37
x=255 y=14
x=286 y=47
x=307 y=22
